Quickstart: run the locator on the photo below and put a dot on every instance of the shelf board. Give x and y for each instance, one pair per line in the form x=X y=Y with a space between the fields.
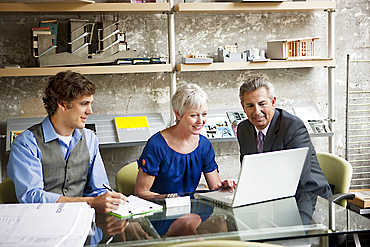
x=275 y=64
x=92 y=70
x=228 y=7
x=158 y=8
x=130 y=8
x=159 y=68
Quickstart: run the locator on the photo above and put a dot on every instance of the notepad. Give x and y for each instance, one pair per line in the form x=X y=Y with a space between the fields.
x=136 y=206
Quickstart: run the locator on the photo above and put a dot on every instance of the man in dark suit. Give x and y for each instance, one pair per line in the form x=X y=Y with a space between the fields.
x=279 y=130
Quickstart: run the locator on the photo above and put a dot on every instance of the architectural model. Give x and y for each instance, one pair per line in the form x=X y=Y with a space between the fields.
x=111 y=45
x=195 y=58
x=301 y=48
x=230 y=54
x=255 y=55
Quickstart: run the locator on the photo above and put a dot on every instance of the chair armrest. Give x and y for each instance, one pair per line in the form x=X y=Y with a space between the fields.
x=338 y=197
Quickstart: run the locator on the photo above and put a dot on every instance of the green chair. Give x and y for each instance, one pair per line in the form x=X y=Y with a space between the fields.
x=126 y=179
x=223 y=243
x=337 y=171
x=7 y=192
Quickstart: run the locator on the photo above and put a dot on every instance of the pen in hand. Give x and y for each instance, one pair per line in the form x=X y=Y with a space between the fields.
x=110 y=189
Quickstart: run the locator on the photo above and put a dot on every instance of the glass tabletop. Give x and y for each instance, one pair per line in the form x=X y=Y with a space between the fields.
x=303 y=216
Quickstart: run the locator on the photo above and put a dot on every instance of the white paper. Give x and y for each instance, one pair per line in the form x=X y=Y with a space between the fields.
x=45 y=224
x=136 y=206
x=364 y=195
x=177 y=201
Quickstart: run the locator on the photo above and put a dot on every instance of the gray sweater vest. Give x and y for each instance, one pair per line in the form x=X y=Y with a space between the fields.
x=65 y=177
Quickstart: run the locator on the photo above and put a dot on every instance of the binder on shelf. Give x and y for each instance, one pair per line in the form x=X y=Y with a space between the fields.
x=53 y=26
x=42 y=39
x=134 y=128
x=135 y=206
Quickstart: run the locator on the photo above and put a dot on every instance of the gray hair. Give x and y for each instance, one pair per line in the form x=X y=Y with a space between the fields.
x=255 y=83
x=188 y=96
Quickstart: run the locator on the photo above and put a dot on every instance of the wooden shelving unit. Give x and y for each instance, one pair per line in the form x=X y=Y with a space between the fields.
x=90 y=70
x=180 y=8
x=251 y=7
x=156 y=8
x=275 y=64
x=157 y=68
x=85 y=8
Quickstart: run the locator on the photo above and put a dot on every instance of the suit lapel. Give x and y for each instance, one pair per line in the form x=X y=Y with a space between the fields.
x=252 y=142
x=272 y=132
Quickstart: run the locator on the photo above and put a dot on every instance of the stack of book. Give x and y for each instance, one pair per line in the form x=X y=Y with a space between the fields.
x=44 y=38
x=361 y=201
x=45 y=224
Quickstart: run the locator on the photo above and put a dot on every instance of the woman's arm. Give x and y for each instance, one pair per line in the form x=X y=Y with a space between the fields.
x=143 y=184
x=212 y=179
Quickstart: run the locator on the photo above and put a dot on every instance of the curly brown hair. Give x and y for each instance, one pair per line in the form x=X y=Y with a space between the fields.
x=66 y=86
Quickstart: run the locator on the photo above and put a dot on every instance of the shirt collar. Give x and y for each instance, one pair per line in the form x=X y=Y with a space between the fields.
x=50 y=134
x=264 y=131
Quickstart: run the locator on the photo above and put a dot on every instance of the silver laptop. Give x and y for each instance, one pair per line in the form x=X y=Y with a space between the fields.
x=264 y=177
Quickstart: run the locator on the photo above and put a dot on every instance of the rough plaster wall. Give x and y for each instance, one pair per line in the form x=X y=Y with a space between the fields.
x=144 y=93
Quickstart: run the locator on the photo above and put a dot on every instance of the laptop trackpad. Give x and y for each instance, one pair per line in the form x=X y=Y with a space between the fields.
x=230 y=197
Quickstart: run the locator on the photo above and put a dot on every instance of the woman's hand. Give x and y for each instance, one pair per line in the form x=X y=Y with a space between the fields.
x=227 y=184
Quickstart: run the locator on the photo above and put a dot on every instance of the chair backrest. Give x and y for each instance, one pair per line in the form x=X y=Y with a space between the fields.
x=337 y=171
x=7 y=192
x=126 y=179
x=223 y=243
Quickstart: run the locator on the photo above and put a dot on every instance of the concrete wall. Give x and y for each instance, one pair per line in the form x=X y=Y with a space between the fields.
x=145 y=93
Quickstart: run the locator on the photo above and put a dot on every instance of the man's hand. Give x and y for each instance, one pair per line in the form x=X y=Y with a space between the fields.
x=110 y=224
x=102 y=204
x=108 y=202
x=134 y=231
x=227 y=184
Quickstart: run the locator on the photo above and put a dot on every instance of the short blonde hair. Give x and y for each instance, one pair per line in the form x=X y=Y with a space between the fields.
x=188 y=96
